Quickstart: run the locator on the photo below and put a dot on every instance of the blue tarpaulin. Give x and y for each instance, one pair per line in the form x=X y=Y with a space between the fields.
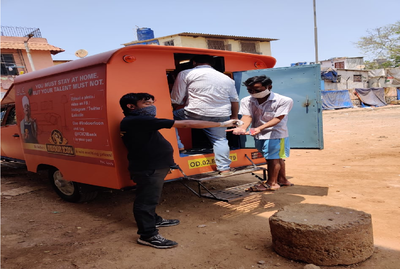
x=372 y=96
x=329 y=74
x=398 y=94
x=336 y=99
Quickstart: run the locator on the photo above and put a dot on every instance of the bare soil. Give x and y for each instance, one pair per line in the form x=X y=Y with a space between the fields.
x=359 y=168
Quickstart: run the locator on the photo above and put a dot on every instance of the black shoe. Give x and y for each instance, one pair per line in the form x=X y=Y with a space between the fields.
x=167 y=222
x=157 y=241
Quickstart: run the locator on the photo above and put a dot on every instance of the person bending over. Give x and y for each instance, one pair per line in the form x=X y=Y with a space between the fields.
x=207 y=95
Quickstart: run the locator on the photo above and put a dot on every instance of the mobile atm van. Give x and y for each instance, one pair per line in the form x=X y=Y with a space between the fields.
x=65 y=118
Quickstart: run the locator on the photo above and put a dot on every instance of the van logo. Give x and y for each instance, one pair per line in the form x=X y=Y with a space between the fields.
x=58 y=144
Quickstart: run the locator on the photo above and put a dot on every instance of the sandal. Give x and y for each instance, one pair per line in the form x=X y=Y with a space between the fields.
x=285 y=185
x=260 y=187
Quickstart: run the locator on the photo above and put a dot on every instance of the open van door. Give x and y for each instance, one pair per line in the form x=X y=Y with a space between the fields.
x=11 y=146
x=303 y=85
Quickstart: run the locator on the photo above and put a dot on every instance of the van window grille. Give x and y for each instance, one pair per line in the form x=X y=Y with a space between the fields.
x=249 y=47
x=339 y=65
x=216 y=44
x=169 y=43
x=357 y=78
x=228 y=47
x=8 y=66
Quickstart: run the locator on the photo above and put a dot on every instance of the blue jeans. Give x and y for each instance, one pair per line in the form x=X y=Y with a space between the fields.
x=216 y=135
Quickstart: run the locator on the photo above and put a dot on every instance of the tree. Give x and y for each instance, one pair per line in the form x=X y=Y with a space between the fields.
x=383 y=45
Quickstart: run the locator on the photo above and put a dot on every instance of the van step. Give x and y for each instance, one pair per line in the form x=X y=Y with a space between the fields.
x=215 y=175
x=226 y=195
x=230 y=194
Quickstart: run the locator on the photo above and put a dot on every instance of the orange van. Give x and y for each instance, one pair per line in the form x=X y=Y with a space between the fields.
x=66 y=118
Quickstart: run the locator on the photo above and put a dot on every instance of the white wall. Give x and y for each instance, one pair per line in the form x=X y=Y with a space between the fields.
x=348 y=75
x=201 y=42
x=349 y=63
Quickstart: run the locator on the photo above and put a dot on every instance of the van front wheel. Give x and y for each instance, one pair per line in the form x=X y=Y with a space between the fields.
x=68 y=190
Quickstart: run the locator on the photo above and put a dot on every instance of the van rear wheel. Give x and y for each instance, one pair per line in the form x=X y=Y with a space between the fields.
x=69 y=190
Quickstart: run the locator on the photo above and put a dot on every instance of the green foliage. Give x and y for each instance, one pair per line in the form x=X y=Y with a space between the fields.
x=382 y=43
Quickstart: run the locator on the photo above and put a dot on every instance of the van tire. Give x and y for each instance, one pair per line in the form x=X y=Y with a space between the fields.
x=70 y=191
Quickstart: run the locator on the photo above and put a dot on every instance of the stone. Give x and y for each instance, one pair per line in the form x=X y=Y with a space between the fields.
x=322 y=234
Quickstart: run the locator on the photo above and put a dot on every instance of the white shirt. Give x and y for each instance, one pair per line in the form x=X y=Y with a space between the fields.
x=276 y=105
x=209 y=92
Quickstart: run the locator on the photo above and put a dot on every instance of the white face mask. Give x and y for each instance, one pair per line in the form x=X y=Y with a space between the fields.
x=261 y=94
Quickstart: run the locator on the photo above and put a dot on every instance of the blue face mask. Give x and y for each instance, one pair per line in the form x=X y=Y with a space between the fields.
x=146 y=111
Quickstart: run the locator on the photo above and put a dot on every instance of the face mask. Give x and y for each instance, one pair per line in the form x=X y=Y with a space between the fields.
x=260 y=94
x=146 y=111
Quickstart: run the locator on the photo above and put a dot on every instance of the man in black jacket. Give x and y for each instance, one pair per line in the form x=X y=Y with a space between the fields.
x=150 y=158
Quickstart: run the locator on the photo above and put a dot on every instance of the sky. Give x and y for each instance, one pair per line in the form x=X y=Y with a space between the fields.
x=98 y=25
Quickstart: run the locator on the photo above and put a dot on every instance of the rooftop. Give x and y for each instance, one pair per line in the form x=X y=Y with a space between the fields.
x=12 y=42
x=247 y=38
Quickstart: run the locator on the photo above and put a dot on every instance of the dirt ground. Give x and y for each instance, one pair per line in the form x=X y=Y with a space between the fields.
x=359 y=168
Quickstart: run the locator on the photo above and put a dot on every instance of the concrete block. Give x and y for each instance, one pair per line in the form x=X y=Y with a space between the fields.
x=322 y=234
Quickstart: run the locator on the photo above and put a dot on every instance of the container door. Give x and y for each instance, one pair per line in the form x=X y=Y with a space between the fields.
x=303 y=85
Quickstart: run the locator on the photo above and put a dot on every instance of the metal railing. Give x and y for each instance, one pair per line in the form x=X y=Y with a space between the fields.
x=20 y=31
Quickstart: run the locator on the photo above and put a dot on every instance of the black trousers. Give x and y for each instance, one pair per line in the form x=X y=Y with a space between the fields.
x=149 y=185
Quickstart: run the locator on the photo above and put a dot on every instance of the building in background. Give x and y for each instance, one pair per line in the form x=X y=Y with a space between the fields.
x=256 y=45
x=23 y=50
x=347 y=83
x=356 y=63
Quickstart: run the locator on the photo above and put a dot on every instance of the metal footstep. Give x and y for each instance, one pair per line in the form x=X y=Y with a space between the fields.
x=215 y=175
x=228 y=194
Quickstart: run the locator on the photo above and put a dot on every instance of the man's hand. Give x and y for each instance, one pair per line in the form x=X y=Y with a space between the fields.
x=238 y=131
x=230 y=123
x=242 y=131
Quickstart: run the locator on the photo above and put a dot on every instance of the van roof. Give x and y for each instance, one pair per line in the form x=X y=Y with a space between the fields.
x=104 y=58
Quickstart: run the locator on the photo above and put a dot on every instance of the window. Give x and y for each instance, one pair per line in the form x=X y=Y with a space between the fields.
x=249 y=47
x=3 y=112
x=216 y=44
x=339 y=65
x=11 y=117
x=8 y=66
x=169 y=43
x=357 y=78
x=339 y=78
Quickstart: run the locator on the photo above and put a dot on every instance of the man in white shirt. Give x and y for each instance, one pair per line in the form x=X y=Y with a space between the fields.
x=267 y=112
x=207 y=95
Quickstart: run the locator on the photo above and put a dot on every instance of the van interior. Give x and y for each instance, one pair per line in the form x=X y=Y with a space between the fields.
x=195 y=140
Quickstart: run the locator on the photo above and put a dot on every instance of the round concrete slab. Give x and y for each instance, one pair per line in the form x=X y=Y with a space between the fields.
x=322 y=234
